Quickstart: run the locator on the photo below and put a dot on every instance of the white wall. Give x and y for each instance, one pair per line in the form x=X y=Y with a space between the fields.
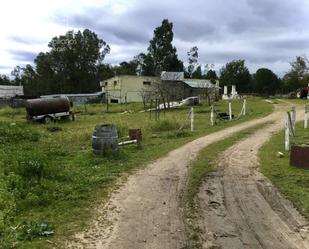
x=11 y=91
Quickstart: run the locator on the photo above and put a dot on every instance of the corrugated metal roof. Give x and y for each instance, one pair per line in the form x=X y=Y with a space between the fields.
x=199 y=84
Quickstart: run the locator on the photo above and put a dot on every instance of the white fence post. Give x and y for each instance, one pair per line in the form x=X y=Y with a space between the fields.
x=306 y=116
x=245 y=106
x=192 y=118
x=287 y=133
x=212 y=116
x=230 y=110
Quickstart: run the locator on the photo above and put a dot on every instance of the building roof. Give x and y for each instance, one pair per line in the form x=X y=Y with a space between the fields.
x=73 y=95
x=194 y=83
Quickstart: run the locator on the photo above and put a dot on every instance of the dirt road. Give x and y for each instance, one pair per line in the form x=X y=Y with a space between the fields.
x=147 y=211
x=239 y=207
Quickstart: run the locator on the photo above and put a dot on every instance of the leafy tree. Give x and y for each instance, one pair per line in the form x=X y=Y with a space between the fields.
x=162 y=55
x=266 y=82
x=71 y=66
x=197 y=74
x=192 y=60
x=74 y=58
x=5 y=80
x=105 y=71
x=28 y=78
x=236 y=73
x=298 y=76
x=211 y=75
x=127 y=68
x=145 y=64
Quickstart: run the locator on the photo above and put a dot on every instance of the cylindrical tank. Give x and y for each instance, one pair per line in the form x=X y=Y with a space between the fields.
x=36 y=107
x=105 y=140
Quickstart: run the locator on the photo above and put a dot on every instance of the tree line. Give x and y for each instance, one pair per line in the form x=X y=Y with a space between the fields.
x=74 y=64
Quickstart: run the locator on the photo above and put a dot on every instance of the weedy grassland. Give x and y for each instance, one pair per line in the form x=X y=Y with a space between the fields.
x=50 y=182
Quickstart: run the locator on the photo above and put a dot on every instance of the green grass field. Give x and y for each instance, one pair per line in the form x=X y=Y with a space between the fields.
x=48 y=179
x=291 y=181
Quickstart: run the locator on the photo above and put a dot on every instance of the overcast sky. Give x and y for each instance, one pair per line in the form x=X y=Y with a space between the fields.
x=266 y=33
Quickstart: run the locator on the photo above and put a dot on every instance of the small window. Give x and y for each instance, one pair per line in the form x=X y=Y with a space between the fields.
x=105 y=83
x=115 y=82
x=114 y=101
x=147 y=83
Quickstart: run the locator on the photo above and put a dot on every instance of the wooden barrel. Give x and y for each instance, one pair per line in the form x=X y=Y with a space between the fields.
x=105 y=140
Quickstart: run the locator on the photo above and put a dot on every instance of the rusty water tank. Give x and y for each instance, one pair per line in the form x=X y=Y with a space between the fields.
x=105 y=140
x=37 y=107
x=300 y=156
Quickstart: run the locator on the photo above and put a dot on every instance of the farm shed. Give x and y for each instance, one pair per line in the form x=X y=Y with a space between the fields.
x=131 y=88
x=7 y=92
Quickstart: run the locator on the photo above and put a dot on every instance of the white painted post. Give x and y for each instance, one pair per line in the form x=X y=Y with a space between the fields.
x=230 y=110
x=287 y=134
x=192 y=118
x=225 y=90
x=306 y=117
x=212 y=116
x=244 y=106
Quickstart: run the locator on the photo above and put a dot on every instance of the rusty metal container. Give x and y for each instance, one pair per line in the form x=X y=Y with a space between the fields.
x=105 y=140
x=135 y=134
x=299 y=156
x=37 y=107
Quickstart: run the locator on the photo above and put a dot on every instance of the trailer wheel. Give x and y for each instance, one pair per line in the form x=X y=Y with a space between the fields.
x=47 y=120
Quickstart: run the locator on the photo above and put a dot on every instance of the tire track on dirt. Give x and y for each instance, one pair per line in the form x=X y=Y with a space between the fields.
x=249 y=211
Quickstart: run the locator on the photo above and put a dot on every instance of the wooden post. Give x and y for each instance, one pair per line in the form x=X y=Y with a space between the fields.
x=150 y=109
x=306 y=116
x=156 y=112
x=192 y=118
x=244 y=107
x=212 y=116
x=287 y=133
x=107 y=107
x=230 y=110
x=293 y=116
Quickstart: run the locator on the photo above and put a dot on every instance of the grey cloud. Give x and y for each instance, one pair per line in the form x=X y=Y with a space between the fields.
x=25 y=56
x=265 y=32
x=25 y=40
